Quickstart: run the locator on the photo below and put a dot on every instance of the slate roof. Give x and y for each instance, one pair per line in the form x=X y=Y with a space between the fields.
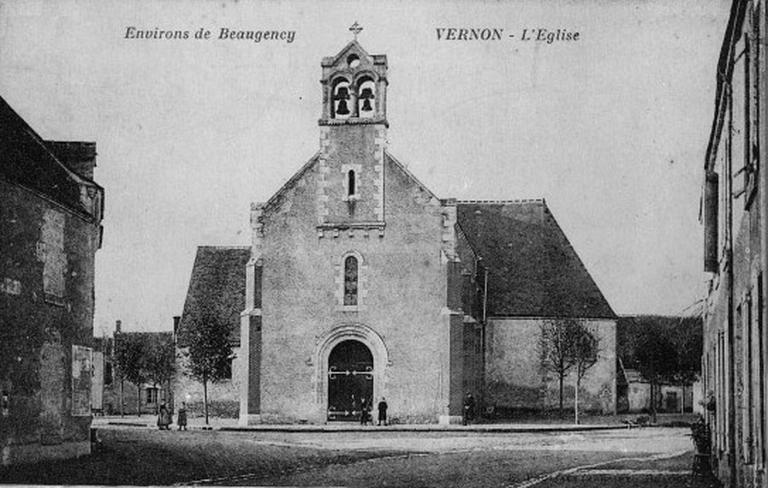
x=26 y=159
x=217 y=281
x=533 y=269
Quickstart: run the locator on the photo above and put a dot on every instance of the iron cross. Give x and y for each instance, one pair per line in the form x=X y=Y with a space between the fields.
x=355 y=29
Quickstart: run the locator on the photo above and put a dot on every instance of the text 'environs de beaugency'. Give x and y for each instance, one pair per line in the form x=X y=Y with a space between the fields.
x=224 y=33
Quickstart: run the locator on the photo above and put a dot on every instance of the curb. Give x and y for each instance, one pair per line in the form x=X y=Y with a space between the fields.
x=485 y=428
x=126 y=424
x=436 y=428
x=152 y=425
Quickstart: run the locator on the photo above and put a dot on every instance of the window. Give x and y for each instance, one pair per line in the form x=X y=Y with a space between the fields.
x=752 y=102
x=744 y=314
x=760 y=425
x=350 y=281
x=152 y=396
x=228 y=369
x=351 y=189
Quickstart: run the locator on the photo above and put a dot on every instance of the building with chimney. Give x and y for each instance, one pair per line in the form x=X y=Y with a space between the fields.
x=360 y=283
x=50 y=230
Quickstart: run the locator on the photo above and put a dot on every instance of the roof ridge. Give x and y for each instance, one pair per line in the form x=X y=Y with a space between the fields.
x=516 y=201
x=224 y=247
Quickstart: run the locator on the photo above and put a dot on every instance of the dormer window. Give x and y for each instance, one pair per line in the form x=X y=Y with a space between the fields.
x=366 y=103
x=341 y=109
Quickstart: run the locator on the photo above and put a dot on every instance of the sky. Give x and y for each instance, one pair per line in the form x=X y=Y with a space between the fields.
x=610 y=129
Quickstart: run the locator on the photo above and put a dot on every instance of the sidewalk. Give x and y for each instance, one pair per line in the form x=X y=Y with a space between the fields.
x=230 y=424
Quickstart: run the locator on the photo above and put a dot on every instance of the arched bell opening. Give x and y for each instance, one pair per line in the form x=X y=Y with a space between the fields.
x=366 y=97
x=341 y=100
x=350 y=380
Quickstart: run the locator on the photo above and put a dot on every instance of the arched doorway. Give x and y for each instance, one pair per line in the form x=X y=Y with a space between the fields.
x=350 y=380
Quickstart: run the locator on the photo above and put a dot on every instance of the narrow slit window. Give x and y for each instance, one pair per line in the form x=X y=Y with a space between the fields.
x=351 y=189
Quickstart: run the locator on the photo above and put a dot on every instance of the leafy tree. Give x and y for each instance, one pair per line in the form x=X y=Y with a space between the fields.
x=160 y=362
x=130 y=362
x=664 y=349
x=556 y=342
x=584 y=355
x=209 y=351
x=656 y=356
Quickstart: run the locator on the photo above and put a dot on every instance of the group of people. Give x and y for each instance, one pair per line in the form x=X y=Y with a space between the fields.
x=365 y=412
x=165 y=418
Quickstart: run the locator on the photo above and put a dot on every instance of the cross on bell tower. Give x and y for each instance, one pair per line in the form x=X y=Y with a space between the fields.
x=355 y=29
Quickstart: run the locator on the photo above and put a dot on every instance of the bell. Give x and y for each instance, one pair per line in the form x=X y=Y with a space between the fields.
x=342 y=109
x=366 y=95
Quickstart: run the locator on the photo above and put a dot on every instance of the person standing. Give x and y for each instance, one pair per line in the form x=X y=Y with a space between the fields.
x=163 y=418
x=469 y=408
x=181 y=420
x=383 y=411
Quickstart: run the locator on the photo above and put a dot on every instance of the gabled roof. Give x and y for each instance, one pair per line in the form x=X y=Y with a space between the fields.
x=330 y=61
x=351 y=46
x=391 y=159
x=26 y=159
x=275 y=199
x=217 y=282
x=533 y=269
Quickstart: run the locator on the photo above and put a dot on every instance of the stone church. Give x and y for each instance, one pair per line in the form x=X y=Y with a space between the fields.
x=360 y=283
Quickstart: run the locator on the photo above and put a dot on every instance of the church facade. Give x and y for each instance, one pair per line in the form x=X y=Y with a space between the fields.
x=362 y=284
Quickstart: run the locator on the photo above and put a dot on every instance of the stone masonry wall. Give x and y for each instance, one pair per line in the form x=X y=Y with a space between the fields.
x=402 y=301
x=515 y=379
x=46 y=307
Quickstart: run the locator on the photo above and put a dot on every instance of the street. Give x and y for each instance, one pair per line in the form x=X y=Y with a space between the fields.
x=649 y=457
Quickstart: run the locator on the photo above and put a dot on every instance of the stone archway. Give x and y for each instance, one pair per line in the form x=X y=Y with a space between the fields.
x=352 y=334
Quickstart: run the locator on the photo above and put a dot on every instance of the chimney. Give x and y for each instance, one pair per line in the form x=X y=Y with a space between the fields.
x=118 y=323
x=80 y=157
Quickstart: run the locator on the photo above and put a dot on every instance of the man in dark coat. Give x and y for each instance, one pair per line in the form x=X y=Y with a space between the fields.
x=469 y=408
x=181 y=421
x=383 y=411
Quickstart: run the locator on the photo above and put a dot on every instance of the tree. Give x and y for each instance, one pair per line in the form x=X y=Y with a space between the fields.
x=160 y=362
x=555 y=343
x=584 y=355
x=130 y=363
x=209 y=351
x=656 y=355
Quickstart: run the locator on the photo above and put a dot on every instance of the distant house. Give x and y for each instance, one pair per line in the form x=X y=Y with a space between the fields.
x=634 y=390
x=112 y=395
x=635 y=397
x=50 y=230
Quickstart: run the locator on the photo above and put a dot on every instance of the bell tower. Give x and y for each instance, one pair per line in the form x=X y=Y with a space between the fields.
x=353 y=137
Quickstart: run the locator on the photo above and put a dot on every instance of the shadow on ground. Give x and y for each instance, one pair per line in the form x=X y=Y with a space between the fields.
x=150 y=457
